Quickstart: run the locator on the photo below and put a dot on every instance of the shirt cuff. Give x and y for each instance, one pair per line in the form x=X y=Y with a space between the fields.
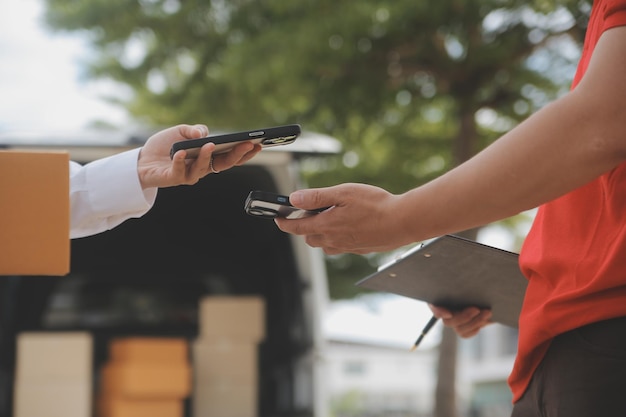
x=114 y=186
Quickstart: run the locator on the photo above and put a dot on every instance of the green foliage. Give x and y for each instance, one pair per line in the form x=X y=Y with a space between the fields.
x=351 y=403
x=401 y=83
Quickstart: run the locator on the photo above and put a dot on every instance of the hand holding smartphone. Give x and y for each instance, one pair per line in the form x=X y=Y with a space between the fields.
x=269 y=205
x=272 y=136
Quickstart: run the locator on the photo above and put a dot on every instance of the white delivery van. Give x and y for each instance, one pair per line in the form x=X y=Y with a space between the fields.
x=147 y=276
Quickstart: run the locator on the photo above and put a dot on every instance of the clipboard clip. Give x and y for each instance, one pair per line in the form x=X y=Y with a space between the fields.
x=401 y=256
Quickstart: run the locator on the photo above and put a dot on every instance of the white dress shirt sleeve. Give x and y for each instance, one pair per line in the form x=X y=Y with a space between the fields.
x=105 y=193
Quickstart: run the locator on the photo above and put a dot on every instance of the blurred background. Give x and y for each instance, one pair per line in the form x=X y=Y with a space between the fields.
x=410 y=89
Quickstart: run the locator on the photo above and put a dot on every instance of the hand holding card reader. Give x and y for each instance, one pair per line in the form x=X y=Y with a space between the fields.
x=270 y=205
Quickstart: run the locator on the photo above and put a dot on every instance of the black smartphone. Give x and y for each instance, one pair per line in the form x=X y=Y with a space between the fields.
x=271 y=136
x=269 y=205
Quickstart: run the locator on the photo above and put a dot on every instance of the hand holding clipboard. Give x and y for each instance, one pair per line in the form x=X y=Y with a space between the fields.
x=456 y=273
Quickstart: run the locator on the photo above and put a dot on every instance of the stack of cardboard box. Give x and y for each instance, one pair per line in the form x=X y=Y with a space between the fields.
x=145 y=377
x=225 y=356
x=53 y=375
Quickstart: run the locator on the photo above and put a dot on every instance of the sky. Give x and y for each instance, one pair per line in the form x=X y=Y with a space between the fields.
x=42 y=89
x=40 y=75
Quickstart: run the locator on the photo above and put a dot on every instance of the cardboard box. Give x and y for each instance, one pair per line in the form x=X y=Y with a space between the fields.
x=240 y=318
x=225 y=362
x=113 y=406
x=54 y=357
x=52 y=399
x=224 y=400
x=146 y=380
x=149 y=349
x=34 y=213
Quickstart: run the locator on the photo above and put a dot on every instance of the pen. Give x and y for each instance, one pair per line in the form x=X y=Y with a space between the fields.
x=426 y=329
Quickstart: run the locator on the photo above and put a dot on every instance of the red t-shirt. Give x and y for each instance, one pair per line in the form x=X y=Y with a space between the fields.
x=575 y=253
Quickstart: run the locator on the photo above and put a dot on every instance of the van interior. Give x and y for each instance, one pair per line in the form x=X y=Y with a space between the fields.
x=146 y=277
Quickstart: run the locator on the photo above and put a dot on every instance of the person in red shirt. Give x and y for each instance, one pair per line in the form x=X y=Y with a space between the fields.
x=569 y=158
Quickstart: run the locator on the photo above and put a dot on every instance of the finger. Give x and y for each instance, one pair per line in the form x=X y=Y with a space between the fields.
x=332 y=251
x=440 y=312
x=332 y=245
x=239 y=151
x=317 y=241
x=462 y=317
x=179 y=166
x=202 y=131
x=200 y=166
x=316 y=197
x=231 y=158
x=284 y=225
x=190 y=131
x=179 y=155
x=468 y=320
x=296 y=226
x=330 y=248
x=249 y=155
x=472 y=327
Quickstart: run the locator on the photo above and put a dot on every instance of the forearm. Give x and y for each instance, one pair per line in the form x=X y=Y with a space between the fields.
x=563 y=146
x=560 y=148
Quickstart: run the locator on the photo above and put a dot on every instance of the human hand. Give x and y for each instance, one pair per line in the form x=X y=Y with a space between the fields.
x=156 y=169
x=467 y=322
x=361 y=219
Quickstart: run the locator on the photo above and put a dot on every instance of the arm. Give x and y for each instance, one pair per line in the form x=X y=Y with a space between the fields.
x=561 y=147
x=106 y=192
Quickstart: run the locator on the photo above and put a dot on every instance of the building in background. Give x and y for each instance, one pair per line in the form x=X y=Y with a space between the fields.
x=485 y=363
x=372 y=380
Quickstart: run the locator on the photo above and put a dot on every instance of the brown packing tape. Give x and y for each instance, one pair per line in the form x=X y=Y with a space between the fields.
x=149 y=349
x=34 y=213
x=116 y=406
x=146 y=381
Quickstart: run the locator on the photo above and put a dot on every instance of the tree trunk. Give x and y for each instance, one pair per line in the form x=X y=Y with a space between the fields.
x=445 y=392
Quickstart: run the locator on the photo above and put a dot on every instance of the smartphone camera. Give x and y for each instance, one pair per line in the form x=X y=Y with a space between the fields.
x=267 y=205
x=282 y=140
x=263 y=212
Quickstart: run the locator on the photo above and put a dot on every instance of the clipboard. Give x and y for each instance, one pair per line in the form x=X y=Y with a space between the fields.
x=455 y=273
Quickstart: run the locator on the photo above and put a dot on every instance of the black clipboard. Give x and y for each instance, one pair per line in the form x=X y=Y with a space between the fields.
x=454 y=272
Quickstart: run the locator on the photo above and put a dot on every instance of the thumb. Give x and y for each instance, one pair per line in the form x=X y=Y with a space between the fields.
x=440 y=312
x=192 y=131
x=315 y=198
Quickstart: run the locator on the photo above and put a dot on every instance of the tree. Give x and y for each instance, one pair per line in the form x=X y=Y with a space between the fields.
x=411 y=88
